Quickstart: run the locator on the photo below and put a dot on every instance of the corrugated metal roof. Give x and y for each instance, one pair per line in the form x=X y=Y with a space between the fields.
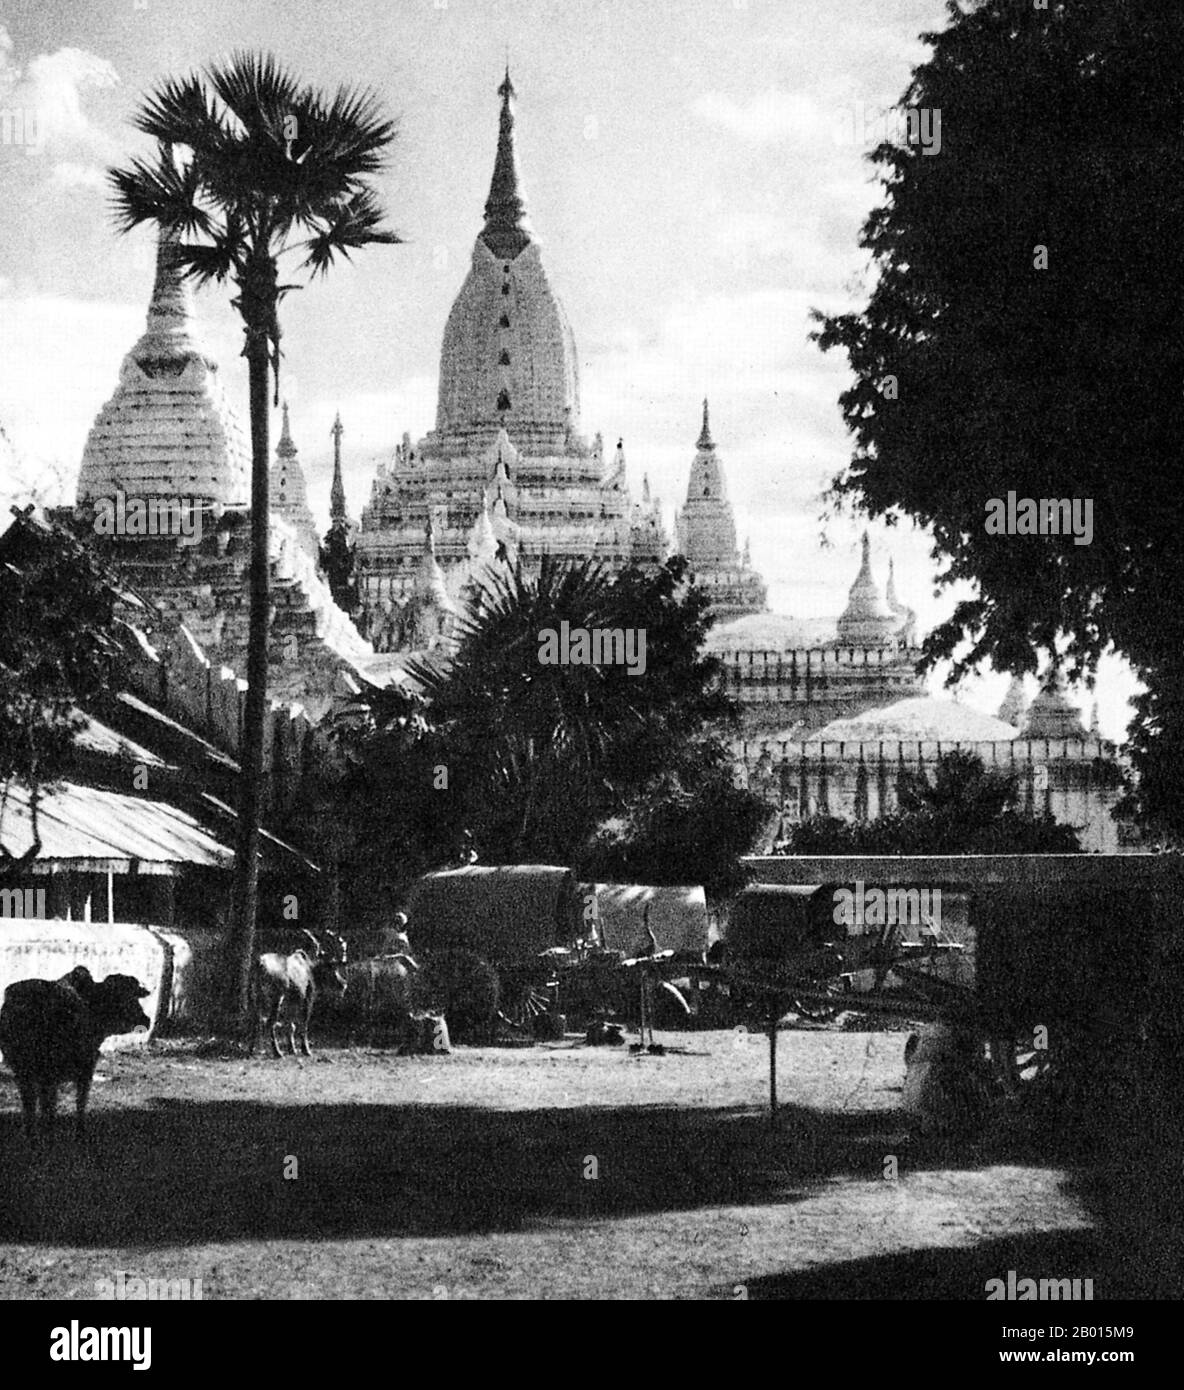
x=97 y=737
x=95 y=831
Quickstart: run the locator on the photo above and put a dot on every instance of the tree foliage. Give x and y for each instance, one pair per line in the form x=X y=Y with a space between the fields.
x=58 y=640
x=525 y=762
x=690 y=824
x=966 y=809
x=338 y=561
x=1060 y=128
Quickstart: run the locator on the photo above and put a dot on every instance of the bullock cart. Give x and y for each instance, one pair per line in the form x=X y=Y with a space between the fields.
x=1066 y=976
x=562 y=948
x=517 y=919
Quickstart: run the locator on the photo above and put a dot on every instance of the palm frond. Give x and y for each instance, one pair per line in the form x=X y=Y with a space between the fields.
x=216 y=261
x=258 y=90
x=352 y=224
x=350 y=132
x=266 y=156
x=163 y=192
x=180 y=112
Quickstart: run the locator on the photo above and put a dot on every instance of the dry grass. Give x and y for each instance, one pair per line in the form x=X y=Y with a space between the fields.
x=465 y=1177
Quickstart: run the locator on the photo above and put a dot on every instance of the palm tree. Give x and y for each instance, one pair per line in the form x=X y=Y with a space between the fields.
x=253 y=165
x=541 y=750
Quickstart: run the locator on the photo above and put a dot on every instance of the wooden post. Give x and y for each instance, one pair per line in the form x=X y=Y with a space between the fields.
x=772 y=1073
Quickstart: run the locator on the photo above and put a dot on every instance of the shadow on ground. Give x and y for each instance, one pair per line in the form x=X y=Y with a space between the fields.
x=186 y=1171
x=195 y=1172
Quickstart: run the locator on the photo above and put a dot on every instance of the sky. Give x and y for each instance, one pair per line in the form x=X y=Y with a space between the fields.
x=694 y=169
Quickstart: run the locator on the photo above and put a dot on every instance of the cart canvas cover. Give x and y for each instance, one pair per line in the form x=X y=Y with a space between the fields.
x=678 y=916
x=503 y=913
x=777 y=919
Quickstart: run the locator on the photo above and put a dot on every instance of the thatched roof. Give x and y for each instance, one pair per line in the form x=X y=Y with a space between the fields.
x=505 y=913
x=677 y=916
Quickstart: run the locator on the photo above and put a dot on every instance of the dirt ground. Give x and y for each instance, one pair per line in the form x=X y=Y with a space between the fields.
x=558 y=1171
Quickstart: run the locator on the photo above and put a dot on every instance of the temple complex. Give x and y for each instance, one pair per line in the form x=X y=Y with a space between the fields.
x=791 y=676
x=169 y=436
x=832 y=710
x=506 y=463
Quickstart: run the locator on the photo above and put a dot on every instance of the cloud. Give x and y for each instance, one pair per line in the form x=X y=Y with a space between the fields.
x=70 y=174
x=61 y=360
x=768 y=116
x=58 y=81
x=43 y=104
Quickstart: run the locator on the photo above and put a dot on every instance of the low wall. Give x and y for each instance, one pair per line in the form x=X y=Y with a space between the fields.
x=46 y=950
x=1117 y=871
x=181 y=972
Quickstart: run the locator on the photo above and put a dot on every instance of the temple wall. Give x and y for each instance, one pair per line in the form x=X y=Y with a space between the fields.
x=1070 y=779
x=816 y=685
x=210 y=699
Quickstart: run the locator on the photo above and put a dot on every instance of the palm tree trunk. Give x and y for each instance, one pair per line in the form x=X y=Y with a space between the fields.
x=241 y=952
x=773 y=1073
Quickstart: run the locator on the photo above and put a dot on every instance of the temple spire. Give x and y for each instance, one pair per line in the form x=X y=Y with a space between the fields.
x=169 y=410
x=902 y=610
x=171 y=305
x=285 y=448
x=289 y=493
x=507 y=228
x=705 y=440
x=337 y=510
x=170 y=334
x=867 y=619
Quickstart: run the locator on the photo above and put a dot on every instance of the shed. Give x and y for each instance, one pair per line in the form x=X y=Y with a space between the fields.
x=87 y=829
x=677 y=916
x=106 y=856
x=505 y=913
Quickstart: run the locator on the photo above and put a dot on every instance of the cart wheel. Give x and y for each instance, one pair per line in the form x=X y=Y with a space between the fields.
x=523 y=1001
x=820 y=1010
x=816 y=1012
x=1016 y=1062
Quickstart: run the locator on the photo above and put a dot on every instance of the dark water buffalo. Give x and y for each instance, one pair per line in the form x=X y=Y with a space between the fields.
x=289 y=985
x=51 y=1032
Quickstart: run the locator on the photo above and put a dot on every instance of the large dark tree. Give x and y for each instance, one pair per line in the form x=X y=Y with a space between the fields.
x=1060 y=129
x=254 y=165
